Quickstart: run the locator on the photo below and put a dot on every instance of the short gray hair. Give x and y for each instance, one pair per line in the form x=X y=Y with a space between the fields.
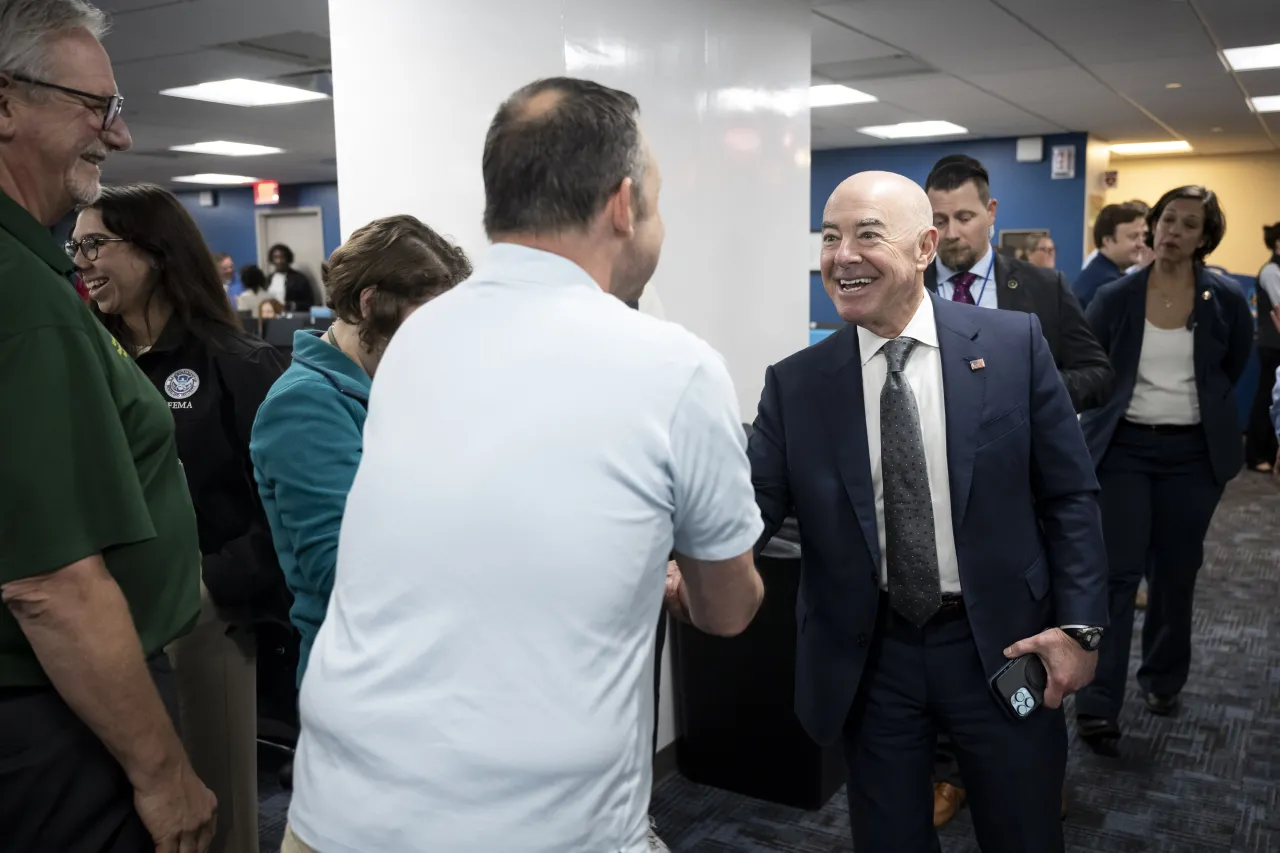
x=26 y=25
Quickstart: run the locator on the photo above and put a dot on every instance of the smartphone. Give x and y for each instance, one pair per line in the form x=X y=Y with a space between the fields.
x=1019 y=686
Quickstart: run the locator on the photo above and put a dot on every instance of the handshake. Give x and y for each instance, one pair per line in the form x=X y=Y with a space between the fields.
x=719 y=597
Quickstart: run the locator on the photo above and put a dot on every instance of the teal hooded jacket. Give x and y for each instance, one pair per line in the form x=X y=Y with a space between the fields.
x=305 y=448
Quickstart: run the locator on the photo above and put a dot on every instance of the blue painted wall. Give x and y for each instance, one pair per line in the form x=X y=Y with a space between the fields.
x=1028 y=197
x=230 y=227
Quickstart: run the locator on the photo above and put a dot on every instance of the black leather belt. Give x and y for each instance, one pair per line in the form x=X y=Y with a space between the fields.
x=1162 y=429
x=952 y=608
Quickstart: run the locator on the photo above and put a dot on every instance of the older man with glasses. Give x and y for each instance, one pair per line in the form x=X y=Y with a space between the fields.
x=99 y=557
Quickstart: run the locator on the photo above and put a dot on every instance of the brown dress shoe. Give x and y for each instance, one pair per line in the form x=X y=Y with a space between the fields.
x=947 y=800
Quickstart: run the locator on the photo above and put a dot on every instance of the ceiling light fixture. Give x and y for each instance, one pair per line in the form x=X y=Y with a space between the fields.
x=1175 y=146
x=1173 y=85
x=1266 y=104
x=836 y=95
x=913 y=130
x=245 y=93
x=1252 y=58
x=215 y=179
x=223 y=148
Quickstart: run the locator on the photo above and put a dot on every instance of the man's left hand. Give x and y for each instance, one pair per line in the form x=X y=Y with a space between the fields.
x=1069 y=667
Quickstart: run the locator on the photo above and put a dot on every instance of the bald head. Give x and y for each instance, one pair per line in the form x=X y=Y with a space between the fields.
x=901 y=198
x=877 y=239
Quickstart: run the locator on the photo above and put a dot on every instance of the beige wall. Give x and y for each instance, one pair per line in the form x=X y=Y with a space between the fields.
x=1248 y=186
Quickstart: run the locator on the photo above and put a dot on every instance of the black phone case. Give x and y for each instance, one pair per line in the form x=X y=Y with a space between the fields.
x=1019 y=686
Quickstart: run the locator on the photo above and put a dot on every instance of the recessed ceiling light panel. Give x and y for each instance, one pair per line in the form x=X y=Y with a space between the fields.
x=1252 y=58
x=1173 y=146
x=1266 y=104
x=212 y=178
x=913 y=130
x=245 y=93
x=835 y=95
x=227 y=149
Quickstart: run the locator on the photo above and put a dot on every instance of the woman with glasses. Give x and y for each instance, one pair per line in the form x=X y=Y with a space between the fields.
x=154 y=285
x=1165 y=446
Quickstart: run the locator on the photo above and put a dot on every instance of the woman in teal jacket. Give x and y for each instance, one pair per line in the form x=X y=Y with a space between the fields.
x=306 y=441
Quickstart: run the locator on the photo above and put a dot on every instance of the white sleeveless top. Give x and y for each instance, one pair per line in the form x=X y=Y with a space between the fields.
x=1165 y=393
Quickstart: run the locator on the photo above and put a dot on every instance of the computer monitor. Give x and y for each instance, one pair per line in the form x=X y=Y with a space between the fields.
x=278 y=331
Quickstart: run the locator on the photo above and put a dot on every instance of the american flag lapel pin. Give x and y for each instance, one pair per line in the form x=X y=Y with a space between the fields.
x=976 y=364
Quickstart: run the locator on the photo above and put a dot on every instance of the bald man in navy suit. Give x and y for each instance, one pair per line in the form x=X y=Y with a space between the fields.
x=949 y=523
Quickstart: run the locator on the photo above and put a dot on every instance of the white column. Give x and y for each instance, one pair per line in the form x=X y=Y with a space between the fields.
x=723 y=88
x=1097 y=160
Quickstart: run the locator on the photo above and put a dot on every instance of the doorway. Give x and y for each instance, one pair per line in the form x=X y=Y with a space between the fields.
x=302 y=230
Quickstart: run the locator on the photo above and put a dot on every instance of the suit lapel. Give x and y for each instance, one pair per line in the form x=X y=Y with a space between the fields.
x=1204 y=319
x=964 y=395
x=846 y=423
x=1133 y=326
x=1010 y=294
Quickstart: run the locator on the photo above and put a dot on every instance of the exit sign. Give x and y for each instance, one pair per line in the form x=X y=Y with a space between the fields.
x=266 y=192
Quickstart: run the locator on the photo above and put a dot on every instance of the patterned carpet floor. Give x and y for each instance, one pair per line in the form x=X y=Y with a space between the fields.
x=1204 y=781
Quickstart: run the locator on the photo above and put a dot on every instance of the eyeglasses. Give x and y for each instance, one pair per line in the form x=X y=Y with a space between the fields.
x=88 y=247
x=111 y=105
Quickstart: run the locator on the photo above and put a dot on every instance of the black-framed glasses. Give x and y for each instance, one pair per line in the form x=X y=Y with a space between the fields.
x=88 y=247
x=112 y=105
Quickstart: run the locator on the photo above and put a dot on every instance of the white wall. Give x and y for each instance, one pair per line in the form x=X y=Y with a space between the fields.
x=1097 y=161
x=723 y=86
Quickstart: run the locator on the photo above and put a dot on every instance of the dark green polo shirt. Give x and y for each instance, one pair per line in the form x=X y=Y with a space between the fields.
x=88 y=462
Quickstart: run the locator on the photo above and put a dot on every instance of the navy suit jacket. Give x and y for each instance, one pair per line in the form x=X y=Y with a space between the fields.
x=1023 y=498
x=1100 y=271
x=1022 y=286
x=1222 y=340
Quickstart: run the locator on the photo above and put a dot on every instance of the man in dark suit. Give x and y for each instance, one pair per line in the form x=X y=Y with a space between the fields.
x=968 y=270
x=948 y=516
x=1118 y=233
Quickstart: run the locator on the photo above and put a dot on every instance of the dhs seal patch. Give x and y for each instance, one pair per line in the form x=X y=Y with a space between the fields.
x=181 y=384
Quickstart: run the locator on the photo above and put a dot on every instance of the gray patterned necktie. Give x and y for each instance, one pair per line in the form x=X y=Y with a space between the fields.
x=910 y=548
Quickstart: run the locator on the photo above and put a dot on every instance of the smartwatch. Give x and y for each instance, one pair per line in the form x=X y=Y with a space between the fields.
x=1088 y=638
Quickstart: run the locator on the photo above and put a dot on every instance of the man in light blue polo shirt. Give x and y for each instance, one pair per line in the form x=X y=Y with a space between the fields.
x=534 y=451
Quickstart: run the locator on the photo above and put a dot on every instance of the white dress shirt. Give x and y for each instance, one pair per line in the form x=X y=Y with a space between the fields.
x=983 y=289
x=924 y=374
x=276 y=290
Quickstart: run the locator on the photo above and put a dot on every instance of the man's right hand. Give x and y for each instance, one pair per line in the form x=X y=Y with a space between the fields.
x=674 y=596
x=179 y=812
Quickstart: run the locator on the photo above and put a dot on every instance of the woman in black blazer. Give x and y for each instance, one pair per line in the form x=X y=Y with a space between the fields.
x=1165 y=446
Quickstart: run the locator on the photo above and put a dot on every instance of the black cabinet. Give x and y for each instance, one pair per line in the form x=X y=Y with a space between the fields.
x=734 y=701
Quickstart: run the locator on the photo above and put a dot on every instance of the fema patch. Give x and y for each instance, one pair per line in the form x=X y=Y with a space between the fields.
x=181 y=384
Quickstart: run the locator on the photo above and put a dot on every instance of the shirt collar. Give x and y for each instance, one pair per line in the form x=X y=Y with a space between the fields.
x=982 y=269
x=30 y=233
x=510 y=262
x=922 y=327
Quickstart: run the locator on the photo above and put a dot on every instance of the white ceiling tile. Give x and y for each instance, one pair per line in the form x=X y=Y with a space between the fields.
x=1242 y=23
x=835 y=43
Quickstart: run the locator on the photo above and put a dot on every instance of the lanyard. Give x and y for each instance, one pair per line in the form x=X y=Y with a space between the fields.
x=987 y=276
